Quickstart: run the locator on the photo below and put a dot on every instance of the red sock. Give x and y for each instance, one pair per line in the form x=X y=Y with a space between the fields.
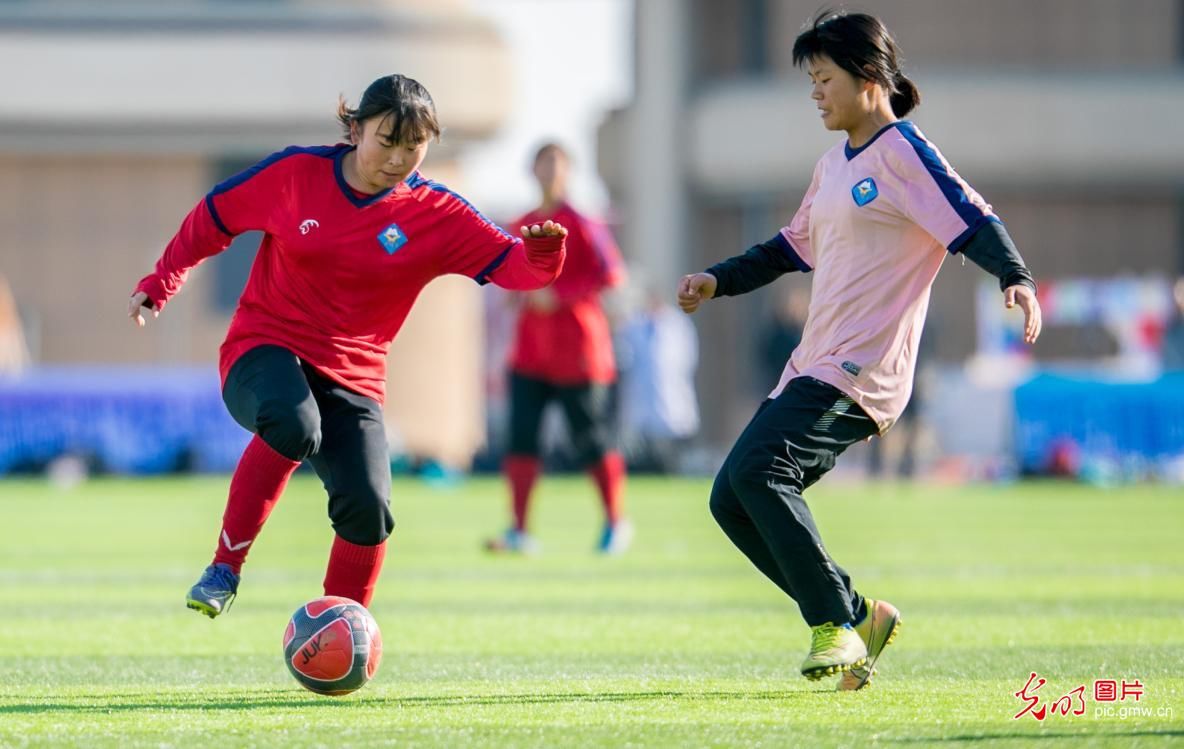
x=521 y=471
x=353 y=570
x=609 y=475
x=258 y=482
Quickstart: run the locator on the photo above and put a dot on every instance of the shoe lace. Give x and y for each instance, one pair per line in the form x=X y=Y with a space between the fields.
x=221 y=577
x=825 y=637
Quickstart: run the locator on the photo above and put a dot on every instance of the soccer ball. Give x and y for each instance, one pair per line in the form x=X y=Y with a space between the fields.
x=332 y=645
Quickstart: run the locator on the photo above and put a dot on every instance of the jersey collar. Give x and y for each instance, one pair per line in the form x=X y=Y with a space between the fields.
x=348 y=191
x=853 y=152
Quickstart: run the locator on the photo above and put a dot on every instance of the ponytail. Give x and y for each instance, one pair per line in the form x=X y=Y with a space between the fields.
x=906 y=97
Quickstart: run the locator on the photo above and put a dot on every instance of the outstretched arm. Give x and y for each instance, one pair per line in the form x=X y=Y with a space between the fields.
x=760 y=265
x=991 y=249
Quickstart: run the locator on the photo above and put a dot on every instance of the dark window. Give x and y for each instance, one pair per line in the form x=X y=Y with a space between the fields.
x=730 y=39
x=232 y=267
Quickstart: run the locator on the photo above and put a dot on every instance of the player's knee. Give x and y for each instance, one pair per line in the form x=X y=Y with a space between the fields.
x=722 y=500
x=365 y=517
x=755 y=471
x=292 y=430
x=743 y=469
x=719 y=505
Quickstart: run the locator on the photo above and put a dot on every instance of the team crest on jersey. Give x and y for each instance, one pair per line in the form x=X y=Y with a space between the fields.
x=864 y=192
x=392 y=238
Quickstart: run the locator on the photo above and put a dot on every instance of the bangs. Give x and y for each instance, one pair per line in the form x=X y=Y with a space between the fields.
x=406 y=109
x=410 y=124
x=808 y=47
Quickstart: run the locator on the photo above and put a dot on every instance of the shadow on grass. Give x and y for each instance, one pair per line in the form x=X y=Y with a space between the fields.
x=1027 y=736
x=285 y=699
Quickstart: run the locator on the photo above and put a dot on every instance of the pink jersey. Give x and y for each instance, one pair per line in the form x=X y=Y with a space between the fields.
x=875 y=226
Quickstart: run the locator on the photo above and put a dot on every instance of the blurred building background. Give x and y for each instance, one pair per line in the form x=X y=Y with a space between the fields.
x=116 y=117
x=1061 y=112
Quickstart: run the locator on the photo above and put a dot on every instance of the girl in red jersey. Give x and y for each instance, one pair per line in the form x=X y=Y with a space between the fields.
x=352 y=234
x=563 y=352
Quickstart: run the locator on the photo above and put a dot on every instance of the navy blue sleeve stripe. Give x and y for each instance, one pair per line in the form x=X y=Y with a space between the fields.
x=233 y=182
x=949 y=186
x=437 y=187
x=483 y=277
x=416 y=180
x=792 y=253
x=961 y=240
x=217 y=219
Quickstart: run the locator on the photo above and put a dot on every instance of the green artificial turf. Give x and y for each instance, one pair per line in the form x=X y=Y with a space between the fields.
x=678 y=643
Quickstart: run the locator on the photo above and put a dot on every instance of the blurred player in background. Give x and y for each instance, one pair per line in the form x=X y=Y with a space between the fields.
x=1173 y=338
x=353 y=232
x=562 y=352
x=880 y=214
x=14 y=352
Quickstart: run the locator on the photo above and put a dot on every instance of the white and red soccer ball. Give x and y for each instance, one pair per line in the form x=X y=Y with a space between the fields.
x=332 y=645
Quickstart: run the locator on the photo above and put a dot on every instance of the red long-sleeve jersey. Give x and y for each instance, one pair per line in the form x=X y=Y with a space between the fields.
x=338 y=271
x=572 y=344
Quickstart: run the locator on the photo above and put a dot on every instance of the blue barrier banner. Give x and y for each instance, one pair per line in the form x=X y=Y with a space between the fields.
x=1135 y=425
x=126 y=419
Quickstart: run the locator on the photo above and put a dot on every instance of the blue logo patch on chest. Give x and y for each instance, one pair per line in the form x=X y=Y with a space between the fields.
x=864 y=192
x=392 y=238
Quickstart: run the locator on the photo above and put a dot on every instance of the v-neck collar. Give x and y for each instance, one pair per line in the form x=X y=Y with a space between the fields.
x=853 y=152
x=348 y=191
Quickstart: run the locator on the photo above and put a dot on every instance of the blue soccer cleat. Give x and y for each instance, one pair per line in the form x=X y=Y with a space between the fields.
x=617 y=537
x=214 y=592
x=513 y=541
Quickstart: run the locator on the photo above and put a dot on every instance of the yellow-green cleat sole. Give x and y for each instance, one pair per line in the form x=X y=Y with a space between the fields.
x=203 y=607
x=821 y=672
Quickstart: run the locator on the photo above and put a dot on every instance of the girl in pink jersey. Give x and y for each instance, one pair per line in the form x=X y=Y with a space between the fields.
x=882 y=211
x=352 y=234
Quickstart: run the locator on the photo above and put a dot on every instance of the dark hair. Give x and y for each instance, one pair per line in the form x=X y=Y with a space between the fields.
x=861 y=45
x=547 y=148
x=401 y=98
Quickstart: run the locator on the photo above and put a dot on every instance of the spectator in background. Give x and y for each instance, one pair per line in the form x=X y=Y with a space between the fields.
x=1173 y=337
x=659 y=412
x=14 y=354
x=563 y=352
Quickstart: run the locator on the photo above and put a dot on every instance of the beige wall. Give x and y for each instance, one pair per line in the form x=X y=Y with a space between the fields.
x=79 y=232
